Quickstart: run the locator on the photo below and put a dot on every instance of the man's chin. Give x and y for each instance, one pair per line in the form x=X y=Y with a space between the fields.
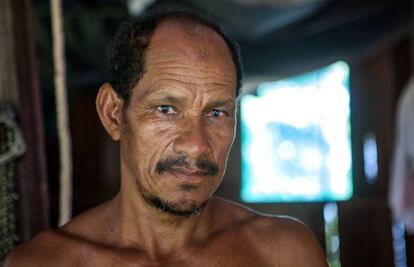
x=181 y=208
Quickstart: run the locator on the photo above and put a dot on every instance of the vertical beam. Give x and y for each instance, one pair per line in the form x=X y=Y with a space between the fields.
x=18 y=85
x=8 y=78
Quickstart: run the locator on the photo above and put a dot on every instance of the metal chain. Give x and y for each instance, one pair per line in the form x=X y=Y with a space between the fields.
x=10 y=139
x=8 y=199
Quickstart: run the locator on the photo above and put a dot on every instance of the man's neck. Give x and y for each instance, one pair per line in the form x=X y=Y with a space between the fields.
x=134 y=223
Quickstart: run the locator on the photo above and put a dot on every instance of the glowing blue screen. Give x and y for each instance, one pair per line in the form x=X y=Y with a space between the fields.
x=295 y=137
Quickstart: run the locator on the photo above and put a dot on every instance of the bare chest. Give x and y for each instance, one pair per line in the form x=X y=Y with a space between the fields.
x=221 y=252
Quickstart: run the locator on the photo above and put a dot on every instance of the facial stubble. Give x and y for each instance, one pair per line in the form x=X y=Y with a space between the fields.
x=184 y=207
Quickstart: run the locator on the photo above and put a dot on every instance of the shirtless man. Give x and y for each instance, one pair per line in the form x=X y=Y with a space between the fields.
x=171 y=104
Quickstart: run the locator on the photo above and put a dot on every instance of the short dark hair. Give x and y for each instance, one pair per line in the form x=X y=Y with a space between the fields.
x=126 y=53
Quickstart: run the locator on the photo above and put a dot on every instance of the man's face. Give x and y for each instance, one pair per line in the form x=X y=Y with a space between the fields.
x=180 y=122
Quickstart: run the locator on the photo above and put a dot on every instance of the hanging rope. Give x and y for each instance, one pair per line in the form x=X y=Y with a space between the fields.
x=65 y=202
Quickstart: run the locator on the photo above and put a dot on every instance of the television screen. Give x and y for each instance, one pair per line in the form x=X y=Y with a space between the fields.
x=295 y=138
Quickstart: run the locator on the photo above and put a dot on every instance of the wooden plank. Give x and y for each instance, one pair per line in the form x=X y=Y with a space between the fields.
x=19 y=85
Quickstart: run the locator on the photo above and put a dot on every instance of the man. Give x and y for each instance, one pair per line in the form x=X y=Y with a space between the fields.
x=171 y=104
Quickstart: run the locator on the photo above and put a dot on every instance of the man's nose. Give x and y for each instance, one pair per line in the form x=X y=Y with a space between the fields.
x=193 y=139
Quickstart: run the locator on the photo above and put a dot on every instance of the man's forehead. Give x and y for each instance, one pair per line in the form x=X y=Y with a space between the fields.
x=186 y=33
x=184 y=26
x=183 y=51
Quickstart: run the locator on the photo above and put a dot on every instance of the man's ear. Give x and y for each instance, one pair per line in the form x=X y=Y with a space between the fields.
x=109 y=107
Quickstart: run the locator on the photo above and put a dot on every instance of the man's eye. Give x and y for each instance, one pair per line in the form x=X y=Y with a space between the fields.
x=167 y=109
x=216 y=113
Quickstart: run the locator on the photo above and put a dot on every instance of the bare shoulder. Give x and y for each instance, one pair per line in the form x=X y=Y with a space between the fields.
x=42 y=250
x=63 y=246
x=278 y=238
x=292 y=241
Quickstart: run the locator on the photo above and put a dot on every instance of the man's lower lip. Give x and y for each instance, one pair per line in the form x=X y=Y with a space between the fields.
x=188 y=177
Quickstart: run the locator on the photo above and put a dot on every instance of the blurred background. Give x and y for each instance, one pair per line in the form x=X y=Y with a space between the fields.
x=317 y=119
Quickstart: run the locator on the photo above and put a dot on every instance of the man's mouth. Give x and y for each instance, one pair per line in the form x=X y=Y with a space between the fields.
x=181 y=165
x=188 y=174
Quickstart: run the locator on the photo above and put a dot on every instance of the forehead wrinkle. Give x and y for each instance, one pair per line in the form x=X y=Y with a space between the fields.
x=201 y=71
x=195 y=80
x=176 y=63
x=206 y=97
x=194 y=68
x=157 y=81
x=168 y=76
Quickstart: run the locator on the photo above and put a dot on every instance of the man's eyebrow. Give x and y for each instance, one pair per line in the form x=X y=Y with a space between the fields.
x=221 y=103
x=168 y=98
x=179 y=99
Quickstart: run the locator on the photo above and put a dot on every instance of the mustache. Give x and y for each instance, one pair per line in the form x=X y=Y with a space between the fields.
x=181 y=161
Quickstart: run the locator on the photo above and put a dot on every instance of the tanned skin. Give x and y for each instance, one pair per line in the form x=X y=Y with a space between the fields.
x=183 y=105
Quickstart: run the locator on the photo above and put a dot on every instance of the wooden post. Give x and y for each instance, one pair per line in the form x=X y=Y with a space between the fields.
x=18 y=85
